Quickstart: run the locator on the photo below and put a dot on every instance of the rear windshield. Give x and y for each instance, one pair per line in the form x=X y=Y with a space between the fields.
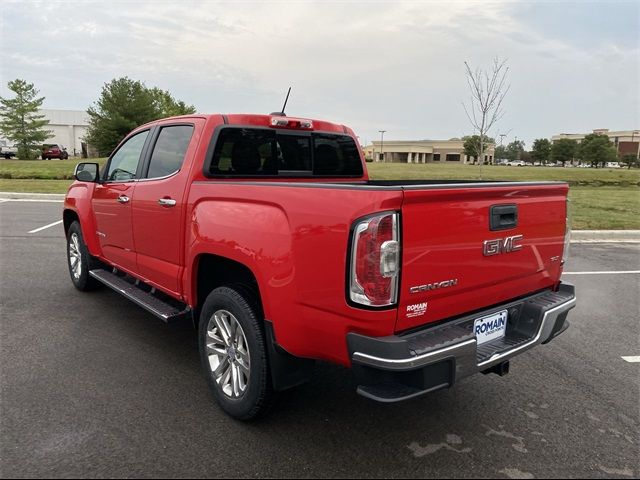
x=255 y=152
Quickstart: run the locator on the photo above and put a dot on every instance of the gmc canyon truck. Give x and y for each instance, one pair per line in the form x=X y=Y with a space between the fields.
x=267 y=232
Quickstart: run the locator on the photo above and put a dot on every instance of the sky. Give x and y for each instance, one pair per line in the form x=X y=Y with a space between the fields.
x=392 y=65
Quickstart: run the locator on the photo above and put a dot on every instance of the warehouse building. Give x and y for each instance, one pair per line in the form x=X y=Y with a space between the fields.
x=68 y=128
x=423 y=151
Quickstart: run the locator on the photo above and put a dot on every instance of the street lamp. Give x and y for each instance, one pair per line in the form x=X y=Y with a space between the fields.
x=382 y=144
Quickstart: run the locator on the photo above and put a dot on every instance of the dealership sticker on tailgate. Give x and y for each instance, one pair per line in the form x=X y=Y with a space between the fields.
x=490 y=327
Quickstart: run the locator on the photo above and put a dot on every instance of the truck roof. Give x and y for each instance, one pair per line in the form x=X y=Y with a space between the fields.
x=263 y=120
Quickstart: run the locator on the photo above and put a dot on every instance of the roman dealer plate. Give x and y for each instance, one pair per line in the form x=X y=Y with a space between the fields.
x=490 y=327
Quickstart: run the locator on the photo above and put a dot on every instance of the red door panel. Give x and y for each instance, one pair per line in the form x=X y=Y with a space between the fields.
x=112 y=209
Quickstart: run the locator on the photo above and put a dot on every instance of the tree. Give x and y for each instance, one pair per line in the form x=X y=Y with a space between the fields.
x=20 y=121
x=630 y=160
x=488 y=89
x=514 y=150
x=563 y=150
x=501 y=152
x=597 y=149
x=125 y=104
x=541 y=150
x=472 y=145
x=167 y=106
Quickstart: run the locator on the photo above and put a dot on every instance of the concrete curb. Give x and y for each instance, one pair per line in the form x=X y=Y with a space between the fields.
x=605 y=236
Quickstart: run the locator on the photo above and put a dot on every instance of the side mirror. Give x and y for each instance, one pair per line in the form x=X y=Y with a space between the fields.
x=87 y=172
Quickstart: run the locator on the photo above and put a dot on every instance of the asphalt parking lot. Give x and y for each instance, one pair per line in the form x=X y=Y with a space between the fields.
x=94 y=386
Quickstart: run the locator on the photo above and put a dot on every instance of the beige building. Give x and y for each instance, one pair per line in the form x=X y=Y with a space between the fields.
x=625 y=141
x=422 y=151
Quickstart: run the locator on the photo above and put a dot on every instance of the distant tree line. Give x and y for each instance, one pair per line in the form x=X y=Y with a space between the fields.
x=595 y=149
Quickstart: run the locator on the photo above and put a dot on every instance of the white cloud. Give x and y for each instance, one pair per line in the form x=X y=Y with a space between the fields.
x=372 y=65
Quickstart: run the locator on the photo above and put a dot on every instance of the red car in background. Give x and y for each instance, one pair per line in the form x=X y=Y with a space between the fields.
x=54 y=151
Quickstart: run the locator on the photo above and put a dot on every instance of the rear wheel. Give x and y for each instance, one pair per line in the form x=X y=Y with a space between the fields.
x=233 y=353
x=79 y=260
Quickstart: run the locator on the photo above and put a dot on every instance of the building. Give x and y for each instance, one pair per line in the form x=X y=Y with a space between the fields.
x=625 y=141
x=423 y=151
x=68 y=128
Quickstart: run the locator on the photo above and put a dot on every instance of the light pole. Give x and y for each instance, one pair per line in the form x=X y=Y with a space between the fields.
x=382 y=144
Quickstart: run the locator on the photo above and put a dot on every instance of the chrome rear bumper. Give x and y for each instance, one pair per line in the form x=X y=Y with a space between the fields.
x=437 y=357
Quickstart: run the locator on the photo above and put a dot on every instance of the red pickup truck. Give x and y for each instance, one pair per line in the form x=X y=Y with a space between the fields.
x=267 y=232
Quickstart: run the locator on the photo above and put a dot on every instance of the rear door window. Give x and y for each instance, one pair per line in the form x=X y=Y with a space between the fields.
x=169 y=150
x=259 y=152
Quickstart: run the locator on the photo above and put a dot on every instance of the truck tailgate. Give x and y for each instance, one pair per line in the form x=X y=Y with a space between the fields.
x=448 y=270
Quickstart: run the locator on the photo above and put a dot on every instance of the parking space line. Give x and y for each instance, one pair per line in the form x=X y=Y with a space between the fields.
x=635 y=359
x=612 y=272
x=46 y=226
x=43 y=200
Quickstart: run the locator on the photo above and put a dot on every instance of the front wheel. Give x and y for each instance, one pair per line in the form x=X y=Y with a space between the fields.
x=79 y=260
x=233 y=352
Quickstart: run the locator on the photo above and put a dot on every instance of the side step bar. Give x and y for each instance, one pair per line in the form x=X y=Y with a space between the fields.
x=161 y=309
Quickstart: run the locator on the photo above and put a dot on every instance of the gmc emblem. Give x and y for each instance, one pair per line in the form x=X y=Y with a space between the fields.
x=502 y=245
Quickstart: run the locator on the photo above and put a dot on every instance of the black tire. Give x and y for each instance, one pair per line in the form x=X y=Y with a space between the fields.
x=81 y=280
x=258 y=396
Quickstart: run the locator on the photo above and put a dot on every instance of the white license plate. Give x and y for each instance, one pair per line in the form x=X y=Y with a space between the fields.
x=490 y=327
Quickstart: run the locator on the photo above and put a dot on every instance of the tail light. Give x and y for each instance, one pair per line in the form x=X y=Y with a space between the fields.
x=567 y=235
x=375 y=261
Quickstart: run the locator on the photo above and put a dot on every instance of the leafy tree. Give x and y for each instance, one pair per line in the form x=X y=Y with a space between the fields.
x=597 y=149
x=472 y=146
x=541 y=151
x=125 y=104
x=630 y=160
x=20 y=121
x=515 y=149
x=168 y=106
x=526 y=156
x=563 y=150
x=501 y=152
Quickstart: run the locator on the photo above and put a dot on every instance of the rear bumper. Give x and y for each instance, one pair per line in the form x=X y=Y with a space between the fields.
x=397 y=368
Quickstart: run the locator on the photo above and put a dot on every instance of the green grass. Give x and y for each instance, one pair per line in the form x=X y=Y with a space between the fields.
x=600 y=198
x=42 y=169
x=34 y=186
x=605 y=208
x=574 y=176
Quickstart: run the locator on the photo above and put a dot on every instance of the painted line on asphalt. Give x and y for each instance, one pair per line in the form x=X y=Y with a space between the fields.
x=46 y=226
x=613 y=272
x=45 y=200
x=635 y=359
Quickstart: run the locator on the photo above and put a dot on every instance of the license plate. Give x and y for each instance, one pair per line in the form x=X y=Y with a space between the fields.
x=490 y=327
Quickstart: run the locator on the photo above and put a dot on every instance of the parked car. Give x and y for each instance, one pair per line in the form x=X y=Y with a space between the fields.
x=54 y=151
x=267 y=232
x=516 y=163
x=8 y=151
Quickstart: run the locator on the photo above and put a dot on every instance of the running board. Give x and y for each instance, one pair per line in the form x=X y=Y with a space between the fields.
x=161 y=309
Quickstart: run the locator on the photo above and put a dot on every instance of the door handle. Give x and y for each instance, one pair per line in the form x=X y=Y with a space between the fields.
x=167 y=202
x=123 y=199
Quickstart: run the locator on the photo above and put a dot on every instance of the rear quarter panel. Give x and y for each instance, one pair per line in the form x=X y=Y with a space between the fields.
x=294 y=239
